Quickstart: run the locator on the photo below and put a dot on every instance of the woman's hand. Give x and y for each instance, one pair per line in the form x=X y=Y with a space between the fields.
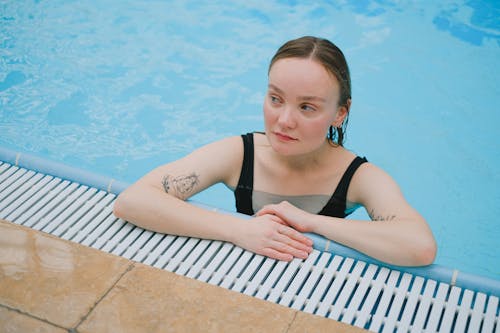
x=295 y=217
x=268 y=235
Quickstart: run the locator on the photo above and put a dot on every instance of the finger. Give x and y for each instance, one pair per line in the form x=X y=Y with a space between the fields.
x=292 y=246
x=295 y=235
x=268 y=209
x=278 y=220
x=272 y=253
x=283 y=247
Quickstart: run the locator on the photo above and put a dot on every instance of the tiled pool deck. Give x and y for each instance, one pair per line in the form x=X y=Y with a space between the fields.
x=51 y=285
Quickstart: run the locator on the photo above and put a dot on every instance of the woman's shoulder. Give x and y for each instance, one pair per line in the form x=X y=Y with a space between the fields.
x=227 y=145
x=258 y=137
x=370 y=179
x=222 y=155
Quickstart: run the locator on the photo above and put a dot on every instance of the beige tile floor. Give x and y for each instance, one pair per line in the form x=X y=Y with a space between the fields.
x=51 y=285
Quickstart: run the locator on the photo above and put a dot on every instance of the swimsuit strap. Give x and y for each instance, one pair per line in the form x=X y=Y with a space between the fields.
x=243 y=192
x=336 y=206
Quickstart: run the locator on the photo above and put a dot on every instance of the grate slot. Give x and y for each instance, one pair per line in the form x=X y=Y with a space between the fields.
x=248 y=271
x=174 y=247
x=128 y=241
x=236 y=273
x=295 y=284
x=90 y=221
x=9 y=176
x=113 y=235
x=205 y=259
x=19 y=191
x=271 y=280
x=27 y=200
x=10 y=186
x=52 y=208
x=321 y=288
x=182 y=254
x=397 y=303
x=193 y=256
x=360 y=295
x=146 y=251
x=86 y=204
x=477 y=312
x=98 y=229
x=43 y=201
x=159 y=250
x=134 y=248
x=260 y=276
x=284 y=280
x=437 y=308
x=64 y=207
x=216 y=261
x=312 y=281
x=3 y=167
x=491 y=313
x=450 y=310
x=411 y=305
x=227 y=265
x=346 y=291
x=334 y=289
x=383 y=305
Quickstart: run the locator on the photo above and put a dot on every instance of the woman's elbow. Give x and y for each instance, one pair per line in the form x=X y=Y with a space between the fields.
x=121 y=205
x=426 y=253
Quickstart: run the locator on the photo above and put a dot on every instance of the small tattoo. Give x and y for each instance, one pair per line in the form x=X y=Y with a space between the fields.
x=376 y=217
x=183 y=185
x=165 y=182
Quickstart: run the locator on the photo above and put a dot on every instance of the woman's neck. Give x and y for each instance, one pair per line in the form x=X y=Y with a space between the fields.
x=311 y=160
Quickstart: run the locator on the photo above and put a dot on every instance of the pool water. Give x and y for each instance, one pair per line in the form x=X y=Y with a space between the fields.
x=119 y=87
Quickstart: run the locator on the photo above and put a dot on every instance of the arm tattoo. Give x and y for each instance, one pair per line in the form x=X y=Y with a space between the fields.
x=182 y=185
x=376 y=217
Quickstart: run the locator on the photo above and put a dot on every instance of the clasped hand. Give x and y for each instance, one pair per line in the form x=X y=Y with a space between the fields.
x=272 y=233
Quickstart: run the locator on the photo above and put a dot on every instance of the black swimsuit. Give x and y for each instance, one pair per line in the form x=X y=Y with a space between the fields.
x=335 y=207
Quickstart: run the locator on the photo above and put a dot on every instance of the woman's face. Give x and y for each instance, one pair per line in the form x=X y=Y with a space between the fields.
x=300 y=105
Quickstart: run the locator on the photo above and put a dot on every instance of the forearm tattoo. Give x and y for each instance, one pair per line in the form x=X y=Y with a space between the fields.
x=181 y=186
x=377 y=217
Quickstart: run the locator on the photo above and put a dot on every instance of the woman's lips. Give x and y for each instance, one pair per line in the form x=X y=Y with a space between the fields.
x=284 y=137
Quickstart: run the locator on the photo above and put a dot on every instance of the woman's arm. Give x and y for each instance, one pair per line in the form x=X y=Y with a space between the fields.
x=399 y=235
x=157 y=202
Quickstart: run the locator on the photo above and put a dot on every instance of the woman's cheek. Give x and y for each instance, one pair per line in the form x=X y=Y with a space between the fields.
x=269 y=112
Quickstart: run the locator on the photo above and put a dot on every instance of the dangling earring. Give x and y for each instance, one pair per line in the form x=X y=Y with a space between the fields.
x=340 y=132
x=332 y=134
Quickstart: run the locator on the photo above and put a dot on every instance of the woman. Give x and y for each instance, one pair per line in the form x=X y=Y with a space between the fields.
x=285 y=177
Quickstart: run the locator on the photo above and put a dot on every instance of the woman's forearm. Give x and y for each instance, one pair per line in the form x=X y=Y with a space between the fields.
x=150 y=208
x=153 y=209
x=396 y=241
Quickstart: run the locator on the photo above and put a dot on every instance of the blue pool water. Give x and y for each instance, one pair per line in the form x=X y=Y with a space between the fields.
x=119 y=87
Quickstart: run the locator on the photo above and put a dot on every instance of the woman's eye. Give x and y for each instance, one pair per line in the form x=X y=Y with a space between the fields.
x=307 y=107
x=274 y=99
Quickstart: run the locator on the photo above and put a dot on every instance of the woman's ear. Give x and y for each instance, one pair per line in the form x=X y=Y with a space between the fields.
x=342 y=113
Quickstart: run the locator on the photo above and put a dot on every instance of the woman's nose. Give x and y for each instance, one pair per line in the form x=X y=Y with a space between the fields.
x=286 y=117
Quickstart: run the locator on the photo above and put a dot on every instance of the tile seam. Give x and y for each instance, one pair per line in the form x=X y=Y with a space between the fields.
x=290 y=324
x=32 y=316
x=106 y=293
